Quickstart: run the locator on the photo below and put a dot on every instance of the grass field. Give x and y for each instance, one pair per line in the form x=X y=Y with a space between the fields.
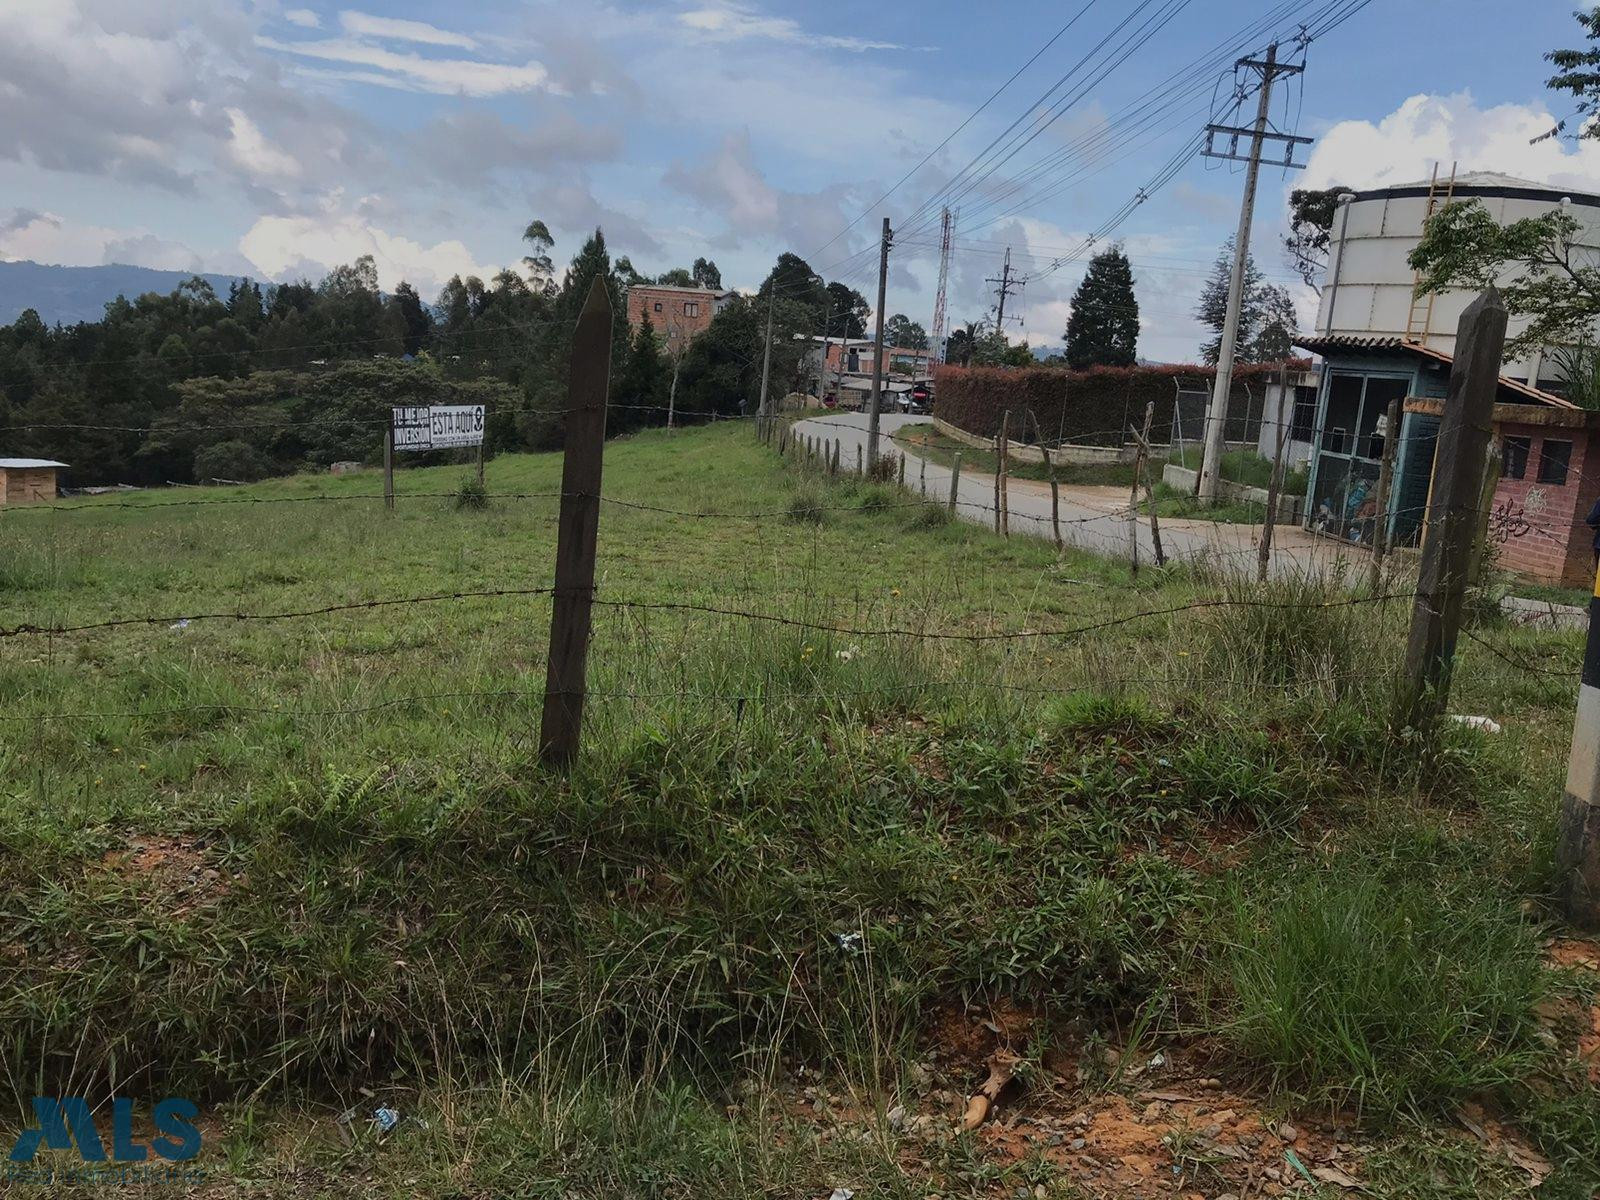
x=805 y=883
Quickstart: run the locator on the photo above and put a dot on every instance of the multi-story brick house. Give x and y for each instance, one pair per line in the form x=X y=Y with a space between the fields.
x=678 y=314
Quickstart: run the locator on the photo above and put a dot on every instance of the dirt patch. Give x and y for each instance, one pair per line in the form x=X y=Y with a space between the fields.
x=1579 y=954
x=174 y=865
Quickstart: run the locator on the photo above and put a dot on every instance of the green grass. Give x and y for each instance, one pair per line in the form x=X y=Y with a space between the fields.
x=272 y=863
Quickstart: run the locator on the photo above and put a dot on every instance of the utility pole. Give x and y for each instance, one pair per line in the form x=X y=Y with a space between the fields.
x=1008 y=283
x=766 y=357
x=877 y=355
x=1217 y=415
x=936 y=333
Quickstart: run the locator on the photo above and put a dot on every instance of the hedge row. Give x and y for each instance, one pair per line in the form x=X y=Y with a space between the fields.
x=1095 y=406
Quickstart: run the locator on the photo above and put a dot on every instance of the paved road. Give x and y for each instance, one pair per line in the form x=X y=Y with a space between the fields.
x=1092 y=519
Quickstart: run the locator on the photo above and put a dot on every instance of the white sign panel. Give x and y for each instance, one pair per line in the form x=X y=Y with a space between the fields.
x=441 y=427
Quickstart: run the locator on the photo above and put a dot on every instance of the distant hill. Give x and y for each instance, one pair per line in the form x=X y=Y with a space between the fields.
x=71 y=294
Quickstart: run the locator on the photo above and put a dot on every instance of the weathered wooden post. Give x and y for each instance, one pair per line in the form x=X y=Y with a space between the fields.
x=860 y=459
x=1578 y=836
x=902 y=480
x=1055 y=485
x=388 y=466
x=1391 y=451
x=589 y=381
x=1142 y=449
x=1464 y=435
x=1274 y=488
x=955 y=481
x=1000 y=450
x=922 y=477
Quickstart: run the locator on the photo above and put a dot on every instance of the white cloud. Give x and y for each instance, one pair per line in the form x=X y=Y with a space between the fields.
x=729 y=22
x=47 y=238
x=278 y=246
x=303 y=17
x=1425 y=129
x=252 y=151
x=412 y=72
x=396 y=29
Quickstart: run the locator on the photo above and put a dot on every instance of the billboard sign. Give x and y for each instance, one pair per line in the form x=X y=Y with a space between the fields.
x=440 y=427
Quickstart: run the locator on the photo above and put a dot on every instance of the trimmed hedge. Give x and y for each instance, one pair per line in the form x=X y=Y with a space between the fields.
x=1096 y=406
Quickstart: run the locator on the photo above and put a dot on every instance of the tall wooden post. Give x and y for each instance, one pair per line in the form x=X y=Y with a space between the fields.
x=480 y=463
x=1055 y=485
x=1002 y=450
x=1380 y=532
x=1464 y=435
x=902 y=480
x=860 y=460
x=1275 y=485
x=589 y=381
x=1578 y=836
x=1143 y=438
x=388 y=467
x=955 y=481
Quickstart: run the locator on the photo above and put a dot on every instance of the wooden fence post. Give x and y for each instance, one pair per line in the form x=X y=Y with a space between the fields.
x=922 y=477
x=1380 y=533
x=1274 y=489
x=589 y=381
x=1001 y=450
x=1139 y=457
x=1055 y=484
x=388 y=466
x=1464 y=434
x=955 y=481
x=860 y=459
x=902 y=480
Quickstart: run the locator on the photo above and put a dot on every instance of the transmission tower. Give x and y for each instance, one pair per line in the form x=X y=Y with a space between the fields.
x=936 y=336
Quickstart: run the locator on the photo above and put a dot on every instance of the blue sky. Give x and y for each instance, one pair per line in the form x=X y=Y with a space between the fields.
x=279 y=139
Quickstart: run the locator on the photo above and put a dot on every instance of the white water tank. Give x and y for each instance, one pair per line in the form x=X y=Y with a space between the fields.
x=1367 y=290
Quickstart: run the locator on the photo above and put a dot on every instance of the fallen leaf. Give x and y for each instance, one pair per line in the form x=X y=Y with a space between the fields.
x=1339 y=1178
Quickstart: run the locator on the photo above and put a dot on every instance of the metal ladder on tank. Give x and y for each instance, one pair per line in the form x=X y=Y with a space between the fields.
x=1419 y=321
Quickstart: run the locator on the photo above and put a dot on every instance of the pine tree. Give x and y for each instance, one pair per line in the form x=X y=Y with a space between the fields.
x=644 y=385
x=1212 y=311
x=1104 y=327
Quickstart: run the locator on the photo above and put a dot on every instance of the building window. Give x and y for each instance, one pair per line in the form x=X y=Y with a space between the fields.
x=658 y=306
x=1554 y=460
x=691 y=308
x=1514 y=457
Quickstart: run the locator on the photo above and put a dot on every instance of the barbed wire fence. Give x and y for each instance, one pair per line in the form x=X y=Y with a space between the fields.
x=944 y=674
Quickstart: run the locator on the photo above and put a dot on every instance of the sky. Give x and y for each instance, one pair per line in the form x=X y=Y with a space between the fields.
x=280 y=139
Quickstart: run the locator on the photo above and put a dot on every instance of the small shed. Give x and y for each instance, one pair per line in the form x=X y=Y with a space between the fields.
x=28 y=480
x=1548 y=481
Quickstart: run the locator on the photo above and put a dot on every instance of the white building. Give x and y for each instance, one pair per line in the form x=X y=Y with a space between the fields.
x=1369 y=286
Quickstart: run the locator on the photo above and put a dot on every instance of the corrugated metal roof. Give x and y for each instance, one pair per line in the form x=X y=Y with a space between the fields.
x=24 y=464
x=1366 y=341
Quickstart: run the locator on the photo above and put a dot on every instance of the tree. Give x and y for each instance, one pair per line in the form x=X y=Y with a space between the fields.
x=1578 y=72
x=959 y=345
x=1103 y=329
x=706 y=274
x=1311 y=212
x=541 y=273
x=644 y=384
x=629 y=274
x=419 y=321
x=1280 y=322
x=1212 y=310
x=797 y=282
x=847 y=311
x=1542 y=275
x=901 y=332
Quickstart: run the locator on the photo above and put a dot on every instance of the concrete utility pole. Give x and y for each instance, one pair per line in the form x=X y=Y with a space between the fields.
x=1217 y=414
x=877 y=356
x=766 y=356
x=1007 y=283
x=1578 y=840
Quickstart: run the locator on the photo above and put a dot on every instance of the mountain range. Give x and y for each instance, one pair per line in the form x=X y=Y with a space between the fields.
x=71 y=294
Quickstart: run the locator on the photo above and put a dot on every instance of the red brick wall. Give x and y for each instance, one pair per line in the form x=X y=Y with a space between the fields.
x=1538 y=527
x=668 y=312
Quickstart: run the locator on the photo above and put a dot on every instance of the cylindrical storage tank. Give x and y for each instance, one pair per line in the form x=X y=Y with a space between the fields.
x=1367 y=290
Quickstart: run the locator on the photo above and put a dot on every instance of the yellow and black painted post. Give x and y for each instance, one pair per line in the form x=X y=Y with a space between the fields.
x=1578 y=848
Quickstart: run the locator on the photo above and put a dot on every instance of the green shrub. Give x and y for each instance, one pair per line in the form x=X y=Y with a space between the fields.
x=805 y=507
x=472 y=495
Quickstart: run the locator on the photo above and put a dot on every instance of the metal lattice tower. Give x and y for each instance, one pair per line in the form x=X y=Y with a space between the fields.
x=936 y=336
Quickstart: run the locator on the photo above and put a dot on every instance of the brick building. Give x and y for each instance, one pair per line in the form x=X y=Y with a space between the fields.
x=678 y=314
